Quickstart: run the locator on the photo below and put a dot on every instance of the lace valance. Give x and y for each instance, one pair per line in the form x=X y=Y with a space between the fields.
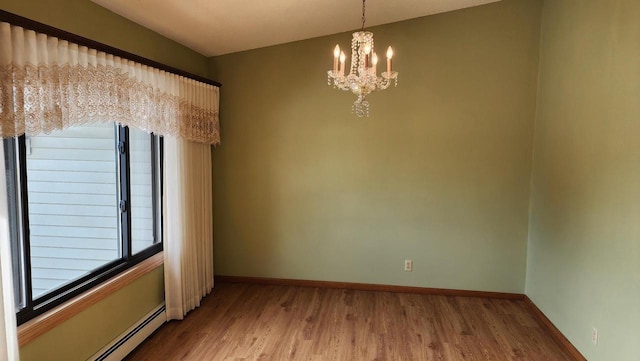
x=48 y=84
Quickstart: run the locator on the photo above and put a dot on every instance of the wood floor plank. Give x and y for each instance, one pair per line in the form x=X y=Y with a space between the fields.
x=244 y=322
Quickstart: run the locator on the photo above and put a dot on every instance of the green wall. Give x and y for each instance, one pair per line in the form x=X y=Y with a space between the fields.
x=584 y=247
x=82 y=17
x=440 y=172
x=89 y=331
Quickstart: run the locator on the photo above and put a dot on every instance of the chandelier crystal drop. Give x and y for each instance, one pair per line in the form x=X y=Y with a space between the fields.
x=362 y=78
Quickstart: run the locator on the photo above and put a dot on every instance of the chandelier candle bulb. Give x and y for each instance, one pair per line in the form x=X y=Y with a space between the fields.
x=336 y=56
x=367 y=51
x=342 y=59
x=374 y=61
x=389 y=56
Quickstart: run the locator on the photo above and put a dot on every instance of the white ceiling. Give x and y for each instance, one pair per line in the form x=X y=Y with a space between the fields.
x=216 y=27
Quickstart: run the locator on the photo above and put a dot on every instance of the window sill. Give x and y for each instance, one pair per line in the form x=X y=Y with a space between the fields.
x=30 y=330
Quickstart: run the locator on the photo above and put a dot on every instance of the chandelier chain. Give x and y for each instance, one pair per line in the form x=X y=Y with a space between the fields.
x=363 y=17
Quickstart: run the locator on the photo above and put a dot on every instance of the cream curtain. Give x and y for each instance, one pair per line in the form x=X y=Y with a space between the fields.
x=8 y=330
x=188 y=225
x=48 y=84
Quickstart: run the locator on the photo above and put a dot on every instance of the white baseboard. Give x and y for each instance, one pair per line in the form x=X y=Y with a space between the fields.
x=131 y=338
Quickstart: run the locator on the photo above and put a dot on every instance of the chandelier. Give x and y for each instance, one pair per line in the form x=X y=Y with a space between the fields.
x=362 y=78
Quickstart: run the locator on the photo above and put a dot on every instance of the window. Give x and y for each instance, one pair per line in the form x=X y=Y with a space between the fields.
x=84 y=205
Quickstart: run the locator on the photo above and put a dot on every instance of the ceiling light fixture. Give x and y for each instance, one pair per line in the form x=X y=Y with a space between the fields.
x=362 y=78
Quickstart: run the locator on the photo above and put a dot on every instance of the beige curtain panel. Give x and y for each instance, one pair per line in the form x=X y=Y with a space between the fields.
x=8 y=332
x=188 y=236
x=48 y=84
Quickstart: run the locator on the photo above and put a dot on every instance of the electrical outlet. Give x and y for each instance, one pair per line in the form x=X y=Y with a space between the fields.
x=594 y=336
x=408 y=265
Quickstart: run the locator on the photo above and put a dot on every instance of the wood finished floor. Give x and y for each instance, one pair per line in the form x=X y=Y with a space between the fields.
x=242 y=322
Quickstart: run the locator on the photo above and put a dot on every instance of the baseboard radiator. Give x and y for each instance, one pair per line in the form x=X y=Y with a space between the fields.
x=131 y=338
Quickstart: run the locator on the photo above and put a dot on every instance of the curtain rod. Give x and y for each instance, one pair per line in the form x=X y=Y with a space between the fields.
x=26 y=23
